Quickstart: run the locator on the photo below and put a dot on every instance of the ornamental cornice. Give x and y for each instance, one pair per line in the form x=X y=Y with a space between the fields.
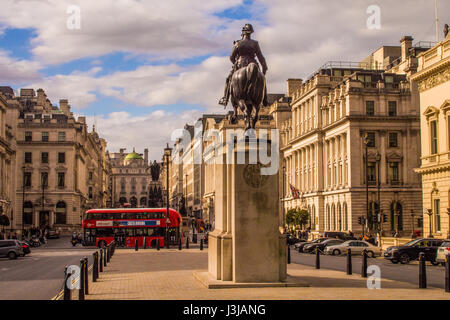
x=434 y=76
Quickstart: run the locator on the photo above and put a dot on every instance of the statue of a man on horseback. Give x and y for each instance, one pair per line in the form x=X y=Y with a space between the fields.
x=246 y=84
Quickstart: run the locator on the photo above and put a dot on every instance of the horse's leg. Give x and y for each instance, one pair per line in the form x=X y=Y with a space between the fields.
x=234 y=116
x=255 y=119
x=244 y=107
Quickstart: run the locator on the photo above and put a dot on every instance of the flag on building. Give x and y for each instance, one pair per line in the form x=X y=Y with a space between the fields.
x=295 y=192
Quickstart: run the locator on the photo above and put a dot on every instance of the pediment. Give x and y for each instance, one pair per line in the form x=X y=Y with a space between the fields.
x=431 y=111
x=446 y=106
x=394 y=156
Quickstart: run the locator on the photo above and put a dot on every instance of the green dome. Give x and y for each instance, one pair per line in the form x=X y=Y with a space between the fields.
x=133 y=155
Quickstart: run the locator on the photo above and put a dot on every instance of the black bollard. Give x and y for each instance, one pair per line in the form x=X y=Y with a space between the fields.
x=104 y=257
x=201 y=244
x=167 y=242
x=157 y=244
x=349 y=261
x=81 y=279
x=145 y=243
x=364 y=264
x=95 y=267
x=422 y=271
x=288 y=254
x=194 y=238
x=317 y=258
x=187 y=242
x=108 y=253
x=447 y=273
x=86 y=276
x=179 y=244
x=66 y=288
x=101 y=260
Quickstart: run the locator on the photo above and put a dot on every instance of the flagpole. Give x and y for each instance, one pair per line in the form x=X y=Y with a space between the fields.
x=436 y=20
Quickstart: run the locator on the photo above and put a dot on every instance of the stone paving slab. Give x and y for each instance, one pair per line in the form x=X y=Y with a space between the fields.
x=169 y=275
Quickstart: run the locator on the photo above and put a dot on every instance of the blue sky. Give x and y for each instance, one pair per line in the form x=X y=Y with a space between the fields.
x=152 y=66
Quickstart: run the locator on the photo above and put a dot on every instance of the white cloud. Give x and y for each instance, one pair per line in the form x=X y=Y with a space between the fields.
x=17 y=71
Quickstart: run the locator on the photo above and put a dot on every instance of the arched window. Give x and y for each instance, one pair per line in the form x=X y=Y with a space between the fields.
x=339 y=217
x=27 y=213
x=133 y=202
x=333 y=217
x=345 y=216
x=122 y=200
x=61 y=213
x=143 y=202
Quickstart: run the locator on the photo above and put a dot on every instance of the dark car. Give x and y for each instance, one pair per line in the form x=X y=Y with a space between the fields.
x=53 y=234
x=411 y=250
x=25 y=247
x=302 y=245
x=311 y=248
x=338 y=235
x=291 y=239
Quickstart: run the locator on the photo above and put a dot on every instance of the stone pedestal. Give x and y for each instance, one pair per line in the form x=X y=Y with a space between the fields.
x=246 y=246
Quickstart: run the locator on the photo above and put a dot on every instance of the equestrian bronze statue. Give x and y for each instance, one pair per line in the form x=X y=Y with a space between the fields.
x=246 y=84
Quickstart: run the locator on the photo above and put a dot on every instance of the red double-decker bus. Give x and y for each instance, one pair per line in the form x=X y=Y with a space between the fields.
x=126 y=225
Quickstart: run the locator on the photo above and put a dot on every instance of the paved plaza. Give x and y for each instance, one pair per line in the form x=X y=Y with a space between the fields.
x=168 y=274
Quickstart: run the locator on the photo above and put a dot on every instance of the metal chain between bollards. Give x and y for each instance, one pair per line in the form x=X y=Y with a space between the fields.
x=422 y=271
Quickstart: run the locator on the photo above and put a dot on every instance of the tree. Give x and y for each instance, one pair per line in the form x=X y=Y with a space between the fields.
x=291 y=217
x=302 y=217
x=4 y=221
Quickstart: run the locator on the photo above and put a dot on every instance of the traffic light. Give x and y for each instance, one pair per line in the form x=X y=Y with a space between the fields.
x=384 y=218
x=359 y=220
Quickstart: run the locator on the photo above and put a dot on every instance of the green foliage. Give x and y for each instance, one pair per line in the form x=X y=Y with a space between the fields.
x=4 y=220
x=297 y=217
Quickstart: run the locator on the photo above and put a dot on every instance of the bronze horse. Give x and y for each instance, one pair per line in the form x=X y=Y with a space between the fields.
x=247 y=92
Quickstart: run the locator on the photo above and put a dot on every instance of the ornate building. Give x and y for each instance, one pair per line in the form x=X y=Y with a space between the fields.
x=131 y=180
x=60 y=165
x=433 y=81
x=324 y=149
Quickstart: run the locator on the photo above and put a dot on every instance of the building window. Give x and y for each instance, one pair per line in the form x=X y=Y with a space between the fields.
x=392 y=108
x=370 y=108
x=45 y=136
x=437 y=214
x=61 y=178
x=90 y=192
x=91 y=175
x=28 y=157
x=61 y=136
x=371 y=139
x=433 y=137
x=61 y=213
x=371 y=172
x=28 y=136
x=61 y=157
x=44 y=157
x=44 y=179
x=27 y=213
x=394 y=171
x=27 y=179
x=393 y=141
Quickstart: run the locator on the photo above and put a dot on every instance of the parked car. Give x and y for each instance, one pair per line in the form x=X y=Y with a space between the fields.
x=338 y=235
x=411 y=250
x=356 y=247
x=53 y=234
x=302 y=245
x=442 y=251
x=26 y=248
x=311 y=248
x=10 y=248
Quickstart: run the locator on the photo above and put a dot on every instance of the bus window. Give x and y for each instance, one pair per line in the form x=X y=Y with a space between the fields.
x=106 y=232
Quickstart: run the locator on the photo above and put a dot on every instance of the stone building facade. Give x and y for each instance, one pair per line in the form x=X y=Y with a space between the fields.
x=60 y=165
x=131 y=179
x=433 y=81
x=325 y=155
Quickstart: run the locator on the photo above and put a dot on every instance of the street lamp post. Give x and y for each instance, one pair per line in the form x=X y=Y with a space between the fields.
x=429 y=212
x=366 y=143
x=412 y=224
x=167 y=154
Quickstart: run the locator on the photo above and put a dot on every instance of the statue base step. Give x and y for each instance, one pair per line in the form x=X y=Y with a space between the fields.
x=209 y=282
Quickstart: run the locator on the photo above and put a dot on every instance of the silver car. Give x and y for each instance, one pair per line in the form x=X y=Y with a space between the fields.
x=442 y=251
x=10 y=248
x=356 y=247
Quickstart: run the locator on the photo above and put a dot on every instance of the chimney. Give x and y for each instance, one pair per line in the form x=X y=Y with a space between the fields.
x=64 y=106
x=406 y=44
x=292 y=85
x=82 y=119
x=146 y=156
x=41 y=97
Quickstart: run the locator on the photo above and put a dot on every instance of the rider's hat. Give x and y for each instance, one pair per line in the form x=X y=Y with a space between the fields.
x=248 y=28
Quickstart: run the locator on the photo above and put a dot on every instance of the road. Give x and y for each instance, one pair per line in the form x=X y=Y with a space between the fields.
x=400 y=272
x=39 y=275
